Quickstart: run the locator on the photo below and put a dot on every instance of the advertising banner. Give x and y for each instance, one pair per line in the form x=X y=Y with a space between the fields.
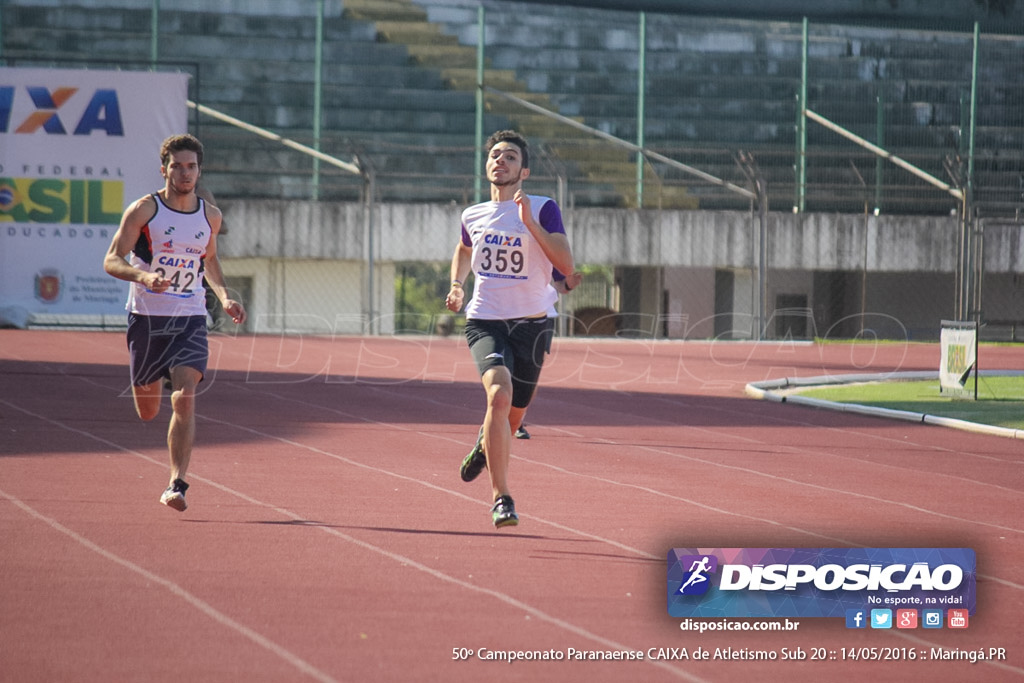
x=959 y=342
x=76 y=146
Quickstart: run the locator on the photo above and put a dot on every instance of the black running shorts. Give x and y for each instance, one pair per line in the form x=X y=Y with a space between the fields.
x=519 y=345
x=157 y=343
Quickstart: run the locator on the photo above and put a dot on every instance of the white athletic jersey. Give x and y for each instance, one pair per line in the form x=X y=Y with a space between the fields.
x=173 y=243
x=513 y=274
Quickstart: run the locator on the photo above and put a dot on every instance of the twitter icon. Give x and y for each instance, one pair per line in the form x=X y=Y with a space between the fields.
x=881 y=618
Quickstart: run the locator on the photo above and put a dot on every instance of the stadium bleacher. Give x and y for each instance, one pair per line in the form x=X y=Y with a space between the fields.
x=399 y=78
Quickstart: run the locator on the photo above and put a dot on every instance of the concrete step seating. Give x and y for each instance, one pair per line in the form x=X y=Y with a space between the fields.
x=595 y=78
x=406 y=70
x=259 y=68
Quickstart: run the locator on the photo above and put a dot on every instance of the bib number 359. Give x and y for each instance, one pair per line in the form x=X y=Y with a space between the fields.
x=502 y=260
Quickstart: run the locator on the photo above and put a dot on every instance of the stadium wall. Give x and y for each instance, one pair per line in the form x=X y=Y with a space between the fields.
x=308 y=267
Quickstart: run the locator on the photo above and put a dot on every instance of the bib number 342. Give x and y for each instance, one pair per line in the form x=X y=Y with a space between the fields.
x=181 y=272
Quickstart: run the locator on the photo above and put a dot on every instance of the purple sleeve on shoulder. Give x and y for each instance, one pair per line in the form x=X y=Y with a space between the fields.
x=551 y=217
x=551 y=220
x=466 y=241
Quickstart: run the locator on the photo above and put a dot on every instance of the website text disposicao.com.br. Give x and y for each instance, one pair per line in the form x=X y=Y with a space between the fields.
x=704 y=625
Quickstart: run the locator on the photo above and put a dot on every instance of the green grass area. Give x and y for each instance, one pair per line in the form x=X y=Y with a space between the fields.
x=1000 y=399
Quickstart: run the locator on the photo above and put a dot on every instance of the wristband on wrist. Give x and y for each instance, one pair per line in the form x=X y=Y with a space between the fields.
x=457 y=283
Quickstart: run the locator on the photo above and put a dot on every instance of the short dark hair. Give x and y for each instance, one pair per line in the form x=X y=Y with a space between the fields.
x=181 y=143
x=513 y=137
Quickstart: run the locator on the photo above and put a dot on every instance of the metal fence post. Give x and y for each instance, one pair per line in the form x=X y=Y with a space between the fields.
x=640 y=103
x=368 y=223
x=154 y=34
x=318 y=68
x=974 y=109
x=968 y=296
x=749 y=167
x=880 y=139
x=479 y=124
x=801 y=130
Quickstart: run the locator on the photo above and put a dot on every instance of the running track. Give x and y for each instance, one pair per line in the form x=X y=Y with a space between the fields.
x=329 y=537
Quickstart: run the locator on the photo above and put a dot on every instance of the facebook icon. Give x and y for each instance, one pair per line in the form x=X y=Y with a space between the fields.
x=856 y=618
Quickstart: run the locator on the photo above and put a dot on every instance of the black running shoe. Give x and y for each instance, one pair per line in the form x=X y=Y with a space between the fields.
x=504 y=512
x=174 y=496
x=521 y=433
x=474 y=463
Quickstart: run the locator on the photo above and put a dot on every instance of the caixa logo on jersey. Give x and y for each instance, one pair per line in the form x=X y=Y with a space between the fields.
x=55 y=111
x=816 y=582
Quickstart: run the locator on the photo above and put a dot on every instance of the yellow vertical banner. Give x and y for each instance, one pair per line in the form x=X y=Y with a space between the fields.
x=959 y=342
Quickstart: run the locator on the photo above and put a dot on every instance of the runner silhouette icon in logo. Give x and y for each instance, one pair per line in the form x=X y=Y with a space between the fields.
x=697 y=581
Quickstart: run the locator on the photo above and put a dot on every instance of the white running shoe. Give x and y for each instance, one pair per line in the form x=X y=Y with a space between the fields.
x=174 y=496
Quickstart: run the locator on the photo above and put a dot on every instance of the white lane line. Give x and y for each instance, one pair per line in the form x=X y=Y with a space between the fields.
x=196 y=602
x=401 y=559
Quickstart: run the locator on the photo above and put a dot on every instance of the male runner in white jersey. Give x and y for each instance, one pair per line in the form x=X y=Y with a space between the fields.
x=515 y=245
x=171 y=237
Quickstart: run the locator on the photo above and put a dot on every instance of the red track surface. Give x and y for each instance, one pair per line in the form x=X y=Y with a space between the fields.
x=330 y=538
